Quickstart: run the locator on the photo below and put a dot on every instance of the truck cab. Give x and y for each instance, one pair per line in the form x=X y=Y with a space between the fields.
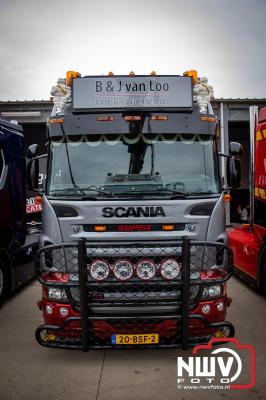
x=248 y=240
x=133 y=248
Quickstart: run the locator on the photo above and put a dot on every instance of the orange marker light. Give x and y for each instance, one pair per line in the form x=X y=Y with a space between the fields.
x=227 y=198
x=56 y=121
x=132 y=118
x=100 y=228
x=168 y=227
x=159 y=117
x=132 y=73
x=153 y=73
x=209 y=119
x=38 y=200
x=105 y=118
x=110 y=73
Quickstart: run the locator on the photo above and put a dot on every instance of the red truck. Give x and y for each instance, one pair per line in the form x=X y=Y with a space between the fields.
x=248 y=241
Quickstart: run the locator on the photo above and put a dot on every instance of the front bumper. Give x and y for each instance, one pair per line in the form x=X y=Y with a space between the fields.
x=183 y=326
x=69 y=334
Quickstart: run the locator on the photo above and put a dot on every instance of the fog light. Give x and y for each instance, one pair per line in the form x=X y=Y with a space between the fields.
x=99 y=270
x=220 y=306
x=63 y=311
x=123 y=270
x=146 y=270
x=49 y=309
x=170 y=269
x=206 y=309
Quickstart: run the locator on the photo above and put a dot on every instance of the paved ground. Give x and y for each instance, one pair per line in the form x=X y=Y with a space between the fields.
x=30 y=372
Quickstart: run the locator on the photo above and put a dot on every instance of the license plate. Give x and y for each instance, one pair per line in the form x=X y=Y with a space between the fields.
x=151 y=338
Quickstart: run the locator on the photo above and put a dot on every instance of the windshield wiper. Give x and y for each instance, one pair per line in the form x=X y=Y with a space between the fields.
x=175 y=193
x=83 y=191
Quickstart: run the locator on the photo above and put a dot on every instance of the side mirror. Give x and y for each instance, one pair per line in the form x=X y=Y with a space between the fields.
x=32 y=151
x=234 y=165
x=235 y=149
x=33 y=174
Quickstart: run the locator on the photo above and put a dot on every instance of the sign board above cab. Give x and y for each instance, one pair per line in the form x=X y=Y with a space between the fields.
x=135 y=93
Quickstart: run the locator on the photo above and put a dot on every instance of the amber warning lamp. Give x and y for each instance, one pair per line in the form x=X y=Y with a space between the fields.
x=193 y=74
x=70 y=75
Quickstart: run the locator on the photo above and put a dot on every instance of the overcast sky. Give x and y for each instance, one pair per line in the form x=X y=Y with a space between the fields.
x=224 y=40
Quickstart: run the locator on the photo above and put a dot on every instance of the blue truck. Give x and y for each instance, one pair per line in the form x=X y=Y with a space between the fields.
x=16 y=246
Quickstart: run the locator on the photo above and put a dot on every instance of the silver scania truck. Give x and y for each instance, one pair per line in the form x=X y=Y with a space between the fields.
x=133 y=249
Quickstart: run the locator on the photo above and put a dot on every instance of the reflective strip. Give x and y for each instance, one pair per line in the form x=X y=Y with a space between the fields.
x=259 y=135
x=260 y=192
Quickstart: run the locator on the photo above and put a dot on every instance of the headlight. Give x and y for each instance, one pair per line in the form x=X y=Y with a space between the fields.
x=212 y=291
x=145 y=270
x=56 y=294
x=170 y=269
x=99 y=270
x=123 y=270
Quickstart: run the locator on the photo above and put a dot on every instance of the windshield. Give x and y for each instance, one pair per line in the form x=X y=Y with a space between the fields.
x=119 y=165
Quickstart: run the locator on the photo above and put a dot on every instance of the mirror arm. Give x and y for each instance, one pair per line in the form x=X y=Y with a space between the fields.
x=224 y=155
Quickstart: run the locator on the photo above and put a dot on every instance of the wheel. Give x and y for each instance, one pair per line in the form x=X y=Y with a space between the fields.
x=3 y=282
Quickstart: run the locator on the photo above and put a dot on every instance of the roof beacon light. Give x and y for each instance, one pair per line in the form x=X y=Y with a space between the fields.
x=193 y=74
x=70 y=75
x=132 y=73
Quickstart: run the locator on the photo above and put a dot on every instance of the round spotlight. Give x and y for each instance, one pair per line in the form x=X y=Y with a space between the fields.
x=49 y=309
x=123 y=270
x=63 y=311
x=220 y=306
x=206 y=309
x=170 y=269
x=99 y=270
x=146 y=270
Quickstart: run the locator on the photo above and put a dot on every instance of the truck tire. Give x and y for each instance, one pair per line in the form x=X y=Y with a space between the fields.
x=3 y=282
